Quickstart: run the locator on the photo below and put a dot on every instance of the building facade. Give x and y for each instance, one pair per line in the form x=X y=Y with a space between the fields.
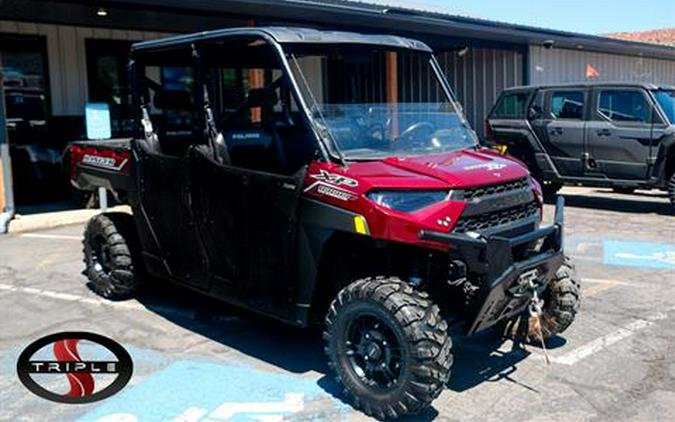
x=58 y=55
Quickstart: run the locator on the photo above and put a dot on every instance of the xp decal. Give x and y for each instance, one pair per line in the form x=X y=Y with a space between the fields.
x=335 y=179
x=80 y=373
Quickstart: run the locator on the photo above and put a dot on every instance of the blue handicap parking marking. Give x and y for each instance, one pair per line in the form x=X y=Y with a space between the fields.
x=196 y=391
x=639 y=254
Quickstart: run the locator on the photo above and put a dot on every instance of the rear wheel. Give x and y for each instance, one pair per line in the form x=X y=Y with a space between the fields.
x=110 y=259
x=561 y=303
x=388 y=346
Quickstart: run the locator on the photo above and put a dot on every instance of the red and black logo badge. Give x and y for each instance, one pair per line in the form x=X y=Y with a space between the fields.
x=88 y=380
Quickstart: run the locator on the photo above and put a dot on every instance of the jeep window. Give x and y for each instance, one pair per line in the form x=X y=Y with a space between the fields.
x=511 y=106
x=567 y=105
x=370 y=102
x=666 y=99
x=624 y=106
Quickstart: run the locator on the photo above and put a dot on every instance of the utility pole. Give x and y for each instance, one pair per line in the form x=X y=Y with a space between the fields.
x=6 y=192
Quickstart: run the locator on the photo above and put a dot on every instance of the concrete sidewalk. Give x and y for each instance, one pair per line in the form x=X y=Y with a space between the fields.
x=41 y=221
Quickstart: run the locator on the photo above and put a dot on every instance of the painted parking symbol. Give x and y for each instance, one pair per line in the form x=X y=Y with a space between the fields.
x=191 y=391
x=639 y=254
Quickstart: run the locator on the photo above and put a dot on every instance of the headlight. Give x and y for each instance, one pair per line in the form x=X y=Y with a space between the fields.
x=407 y=201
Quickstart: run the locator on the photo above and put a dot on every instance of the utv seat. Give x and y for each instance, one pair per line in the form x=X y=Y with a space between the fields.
x=255 y=145
x=175 y=124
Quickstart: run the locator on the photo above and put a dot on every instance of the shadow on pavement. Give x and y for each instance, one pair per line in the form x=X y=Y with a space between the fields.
x=629 y=203
x=266 y=339
x=477 y=359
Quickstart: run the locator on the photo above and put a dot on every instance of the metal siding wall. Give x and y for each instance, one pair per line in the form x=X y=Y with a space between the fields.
x=67 y=61
x=479 y=76
x=561 y=65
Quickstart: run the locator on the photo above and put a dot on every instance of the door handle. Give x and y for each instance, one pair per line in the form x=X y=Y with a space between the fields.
x=603 y=132
x=556 y=131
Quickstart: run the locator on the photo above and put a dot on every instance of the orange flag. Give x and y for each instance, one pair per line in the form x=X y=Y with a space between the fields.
x=592 y=72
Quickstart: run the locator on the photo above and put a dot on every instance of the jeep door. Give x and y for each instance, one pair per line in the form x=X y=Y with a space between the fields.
x=619 y=134
x=561 y=129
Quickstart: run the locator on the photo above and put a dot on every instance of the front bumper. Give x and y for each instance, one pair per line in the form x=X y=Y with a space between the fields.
x=512 y=269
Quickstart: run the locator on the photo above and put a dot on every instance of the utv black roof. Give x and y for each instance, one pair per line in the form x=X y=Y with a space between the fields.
x=288 y=35
x=645 y=85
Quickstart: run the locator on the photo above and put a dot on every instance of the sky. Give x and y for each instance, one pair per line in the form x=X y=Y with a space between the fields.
x=586 y=16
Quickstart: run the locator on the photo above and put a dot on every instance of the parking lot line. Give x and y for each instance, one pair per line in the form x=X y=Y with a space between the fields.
x=50 y=236
x=70 y=297
x=597 y=288
x=129 y=306
x=600 y=343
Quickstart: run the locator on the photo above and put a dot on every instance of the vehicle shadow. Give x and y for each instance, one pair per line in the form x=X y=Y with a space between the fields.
x=488 y=357
x=628 y=203
x=477 y=359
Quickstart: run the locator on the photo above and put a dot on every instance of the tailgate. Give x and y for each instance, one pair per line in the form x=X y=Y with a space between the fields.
x=105 y=163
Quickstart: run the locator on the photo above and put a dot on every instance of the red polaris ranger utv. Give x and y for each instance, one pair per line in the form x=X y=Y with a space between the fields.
x=326 y=176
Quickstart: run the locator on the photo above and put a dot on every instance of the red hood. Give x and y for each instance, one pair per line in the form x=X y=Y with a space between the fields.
x=461 y=169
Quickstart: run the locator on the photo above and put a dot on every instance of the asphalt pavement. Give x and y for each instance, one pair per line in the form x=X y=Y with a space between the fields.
x=196 y=359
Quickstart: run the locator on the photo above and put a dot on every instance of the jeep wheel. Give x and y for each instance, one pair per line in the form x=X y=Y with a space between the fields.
x=388 y=347
x=671 y=191
x=109 y=256
x=623 y=190
x=561 y=303
x=549 y=189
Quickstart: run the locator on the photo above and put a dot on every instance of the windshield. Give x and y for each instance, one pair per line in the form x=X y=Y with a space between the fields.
x=369 y=102
x=666 y=100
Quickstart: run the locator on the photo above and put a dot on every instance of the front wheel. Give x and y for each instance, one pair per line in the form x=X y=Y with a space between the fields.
x=561 y=303
x=388 y=347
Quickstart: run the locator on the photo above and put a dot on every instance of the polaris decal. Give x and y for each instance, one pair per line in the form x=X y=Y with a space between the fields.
x=107 y=163
x=335 y=179
x=486 y=166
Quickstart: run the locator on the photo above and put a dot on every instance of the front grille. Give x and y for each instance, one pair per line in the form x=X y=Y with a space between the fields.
x=481 y=222
x=474 y=194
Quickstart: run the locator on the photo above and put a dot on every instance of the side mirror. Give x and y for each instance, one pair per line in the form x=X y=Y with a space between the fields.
x=534 y=112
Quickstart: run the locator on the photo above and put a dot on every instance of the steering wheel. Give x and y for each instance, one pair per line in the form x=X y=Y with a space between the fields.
x=420 y=129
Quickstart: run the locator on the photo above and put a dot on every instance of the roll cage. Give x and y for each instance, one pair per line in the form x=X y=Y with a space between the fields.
x=256 y=43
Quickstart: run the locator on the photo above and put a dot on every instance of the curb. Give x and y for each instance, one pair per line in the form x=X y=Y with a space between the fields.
x=49 y=220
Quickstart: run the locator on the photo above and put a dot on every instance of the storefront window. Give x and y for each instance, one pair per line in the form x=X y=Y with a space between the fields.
x=108 y=81
x=24 y=68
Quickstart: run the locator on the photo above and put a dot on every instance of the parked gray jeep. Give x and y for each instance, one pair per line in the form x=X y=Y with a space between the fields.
x=618 y=135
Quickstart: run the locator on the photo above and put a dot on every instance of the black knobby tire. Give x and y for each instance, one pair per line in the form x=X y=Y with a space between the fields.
x=671 y=192
x=623 y=190
x=419 y=359
x=550 y=189
x=561 y=304
x=110 y=256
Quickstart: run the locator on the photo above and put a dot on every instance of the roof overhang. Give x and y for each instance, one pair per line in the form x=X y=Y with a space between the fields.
x=438 y=30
